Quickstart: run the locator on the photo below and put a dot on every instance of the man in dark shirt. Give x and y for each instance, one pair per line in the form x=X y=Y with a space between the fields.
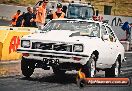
x=33 y=22
x=28 y=18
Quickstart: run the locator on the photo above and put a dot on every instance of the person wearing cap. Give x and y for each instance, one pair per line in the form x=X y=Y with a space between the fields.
x=41 y=15
x=58 y=14
x=15 y=17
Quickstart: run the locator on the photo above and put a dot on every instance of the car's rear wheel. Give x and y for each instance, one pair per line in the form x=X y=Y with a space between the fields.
x=90 y=68
x=27 y=67
x=114 y=71
x=58 y=71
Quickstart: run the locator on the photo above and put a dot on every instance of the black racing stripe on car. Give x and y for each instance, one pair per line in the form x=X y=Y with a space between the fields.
x=52 y=52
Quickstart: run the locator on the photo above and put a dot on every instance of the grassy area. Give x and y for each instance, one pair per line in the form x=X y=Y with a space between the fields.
x=19 y=2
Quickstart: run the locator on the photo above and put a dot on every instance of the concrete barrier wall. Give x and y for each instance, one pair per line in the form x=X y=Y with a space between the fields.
x=9 y=44
x=31 y=29
x=10 y=41
x=1 y=45
x=116 y=22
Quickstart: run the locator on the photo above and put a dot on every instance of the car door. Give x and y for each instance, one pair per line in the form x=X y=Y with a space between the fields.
x=104 y=48
x=113 y=43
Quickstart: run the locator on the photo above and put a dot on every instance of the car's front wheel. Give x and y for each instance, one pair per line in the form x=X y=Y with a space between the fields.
x=27 y=67
x=90 y=68
x=114 y=71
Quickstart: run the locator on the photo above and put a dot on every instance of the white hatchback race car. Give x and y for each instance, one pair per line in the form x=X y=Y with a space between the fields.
x=73 y=44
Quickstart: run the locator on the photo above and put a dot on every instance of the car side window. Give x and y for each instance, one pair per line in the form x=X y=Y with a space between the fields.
x=95 y=30
x=111 y=34
x=103 y=30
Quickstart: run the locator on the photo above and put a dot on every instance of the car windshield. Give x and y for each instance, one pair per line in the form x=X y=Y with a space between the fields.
x=84 y=27
x=79 y=12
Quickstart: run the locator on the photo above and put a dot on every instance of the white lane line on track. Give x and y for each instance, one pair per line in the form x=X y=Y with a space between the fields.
x=11 y=5
x=9 y=62
x=126 y=68
x=129 y=52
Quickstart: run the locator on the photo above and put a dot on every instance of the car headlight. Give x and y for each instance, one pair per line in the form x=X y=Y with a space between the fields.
x=78 y=48
x=25 y=43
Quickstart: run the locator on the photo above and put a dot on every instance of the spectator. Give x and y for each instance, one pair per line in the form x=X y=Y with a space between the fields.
x=15 y=17
x=126 y=27
x=19 y=20
x=33 y=22
x=41 y=15
x=64 y=9
x=58 y=13
x=26 y=22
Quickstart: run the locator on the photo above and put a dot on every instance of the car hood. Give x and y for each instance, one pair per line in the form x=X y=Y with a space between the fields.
x=58 y=35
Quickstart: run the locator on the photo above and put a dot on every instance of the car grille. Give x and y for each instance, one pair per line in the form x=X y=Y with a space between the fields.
x=52 y=46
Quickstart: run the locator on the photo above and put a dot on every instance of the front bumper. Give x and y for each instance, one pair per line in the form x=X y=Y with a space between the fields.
x=61 y=55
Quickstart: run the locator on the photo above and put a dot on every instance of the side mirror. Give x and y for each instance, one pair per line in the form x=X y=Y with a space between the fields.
x=105 y=37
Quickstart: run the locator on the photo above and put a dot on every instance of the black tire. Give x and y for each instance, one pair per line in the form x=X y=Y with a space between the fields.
x=81 y=83
x=27 y=67
x=87 y=69
x=57 y=71
x=114 y=71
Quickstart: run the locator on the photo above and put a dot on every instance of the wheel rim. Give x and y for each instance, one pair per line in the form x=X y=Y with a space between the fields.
x=92 y=68
x=116 y=68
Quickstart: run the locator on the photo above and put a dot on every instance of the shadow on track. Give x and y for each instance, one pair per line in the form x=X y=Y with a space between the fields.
x=61 y=79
